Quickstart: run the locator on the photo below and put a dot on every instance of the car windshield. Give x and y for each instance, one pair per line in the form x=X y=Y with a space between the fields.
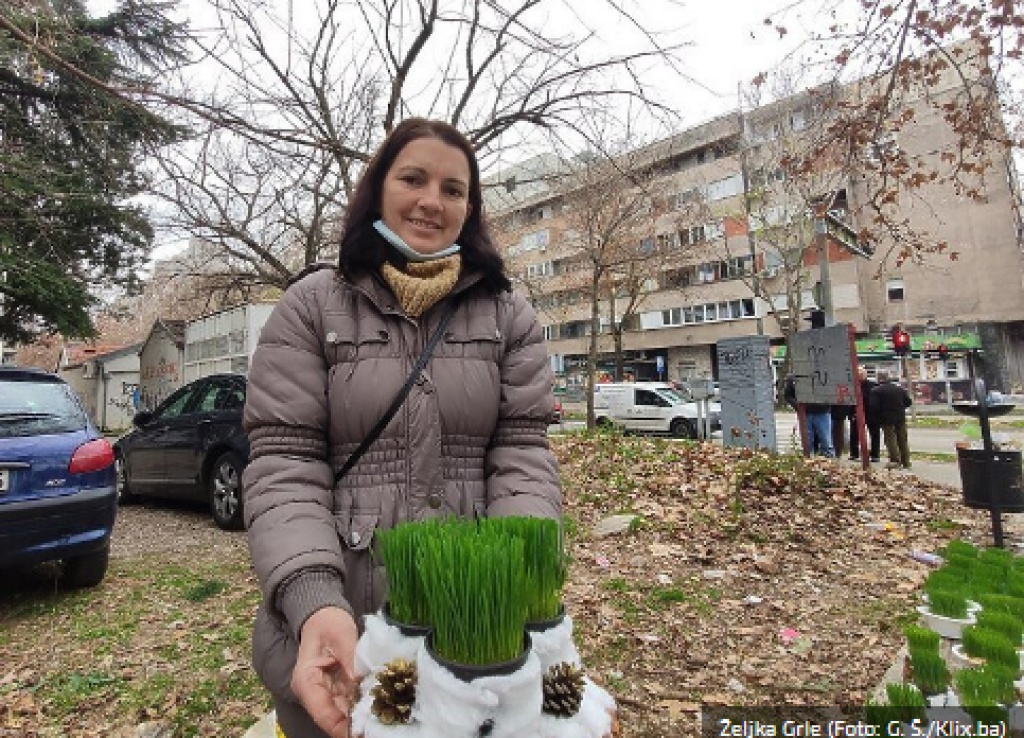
x=672 y=396
x=30 y=408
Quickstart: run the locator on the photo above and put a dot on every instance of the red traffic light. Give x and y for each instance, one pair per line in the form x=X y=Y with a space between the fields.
x=943 y=351
x=900 y=340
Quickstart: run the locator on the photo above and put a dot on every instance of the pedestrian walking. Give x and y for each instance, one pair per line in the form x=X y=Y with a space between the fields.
x=889 y=403
x=874 y=432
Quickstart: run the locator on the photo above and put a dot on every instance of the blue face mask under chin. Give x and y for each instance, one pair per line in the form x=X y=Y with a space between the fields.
x=406 y=250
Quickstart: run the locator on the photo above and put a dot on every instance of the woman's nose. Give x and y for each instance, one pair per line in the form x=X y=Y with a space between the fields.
x=430 y=198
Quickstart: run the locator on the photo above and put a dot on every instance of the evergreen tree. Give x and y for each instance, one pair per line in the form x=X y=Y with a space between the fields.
x=72 y=142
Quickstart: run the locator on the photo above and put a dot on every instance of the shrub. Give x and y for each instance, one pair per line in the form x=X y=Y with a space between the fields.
x=1002 y=622
x=545 y=561
x=1003 y=603
x=949 y=603
x=1015 y=583
x=944 y=579
x=476 y=588
x=399 y=549
x=988 y=578
x=921 y=640
x=992 y=646
x=984 y=686
x=930 y=672
x=999 y=557
x=906 y=702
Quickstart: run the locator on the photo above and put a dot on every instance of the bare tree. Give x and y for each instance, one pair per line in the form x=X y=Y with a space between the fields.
x=303 y=98
x=613 y=208
x=898 y=64
x=788 y=177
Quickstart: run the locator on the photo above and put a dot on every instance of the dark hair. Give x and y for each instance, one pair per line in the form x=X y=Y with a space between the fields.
x=363 y=249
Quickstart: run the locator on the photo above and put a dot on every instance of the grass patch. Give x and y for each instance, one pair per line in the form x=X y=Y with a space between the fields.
x=205 y=590
x=109 y=656
x=615 y=584
x=938 y=456
x=942 y=524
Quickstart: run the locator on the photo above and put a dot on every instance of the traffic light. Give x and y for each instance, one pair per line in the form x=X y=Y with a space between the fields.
x=943 y=351
x=900 y=341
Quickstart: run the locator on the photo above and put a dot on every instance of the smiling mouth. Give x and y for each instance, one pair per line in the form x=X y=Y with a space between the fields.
x=424 y=224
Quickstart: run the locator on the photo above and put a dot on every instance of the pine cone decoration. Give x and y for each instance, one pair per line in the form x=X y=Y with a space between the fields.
x=563 y=690
x=394 y=693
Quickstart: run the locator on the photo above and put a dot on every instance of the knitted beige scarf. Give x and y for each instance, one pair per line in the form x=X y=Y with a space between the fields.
x=422 y=284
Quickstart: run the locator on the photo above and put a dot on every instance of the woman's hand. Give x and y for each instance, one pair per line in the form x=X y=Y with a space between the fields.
x=324 y=676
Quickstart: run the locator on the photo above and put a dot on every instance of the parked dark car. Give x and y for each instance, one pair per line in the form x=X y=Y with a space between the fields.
x=190 y=447
x=58 y=498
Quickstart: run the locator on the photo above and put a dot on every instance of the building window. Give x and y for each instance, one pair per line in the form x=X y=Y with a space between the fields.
x=545 y=269
x=682 y=199
x=798 y=119
x=707 y=273
x=894 y=290
x=952 y=370
x=723 y=188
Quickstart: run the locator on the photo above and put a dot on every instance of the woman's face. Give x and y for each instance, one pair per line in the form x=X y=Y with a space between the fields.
x=425 y=198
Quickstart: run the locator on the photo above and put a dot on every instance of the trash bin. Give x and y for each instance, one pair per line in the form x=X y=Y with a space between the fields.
x=1003 y=479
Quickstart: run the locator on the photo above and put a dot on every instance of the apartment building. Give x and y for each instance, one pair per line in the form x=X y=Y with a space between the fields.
x=723 y=270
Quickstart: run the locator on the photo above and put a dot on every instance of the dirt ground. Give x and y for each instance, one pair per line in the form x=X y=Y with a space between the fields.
x=790 y=587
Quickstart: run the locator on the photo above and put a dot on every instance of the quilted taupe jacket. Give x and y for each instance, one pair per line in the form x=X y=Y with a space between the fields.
x=470 y=440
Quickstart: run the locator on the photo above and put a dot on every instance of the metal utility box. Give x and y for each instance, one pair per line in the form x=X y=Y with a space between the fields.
x=747 y=387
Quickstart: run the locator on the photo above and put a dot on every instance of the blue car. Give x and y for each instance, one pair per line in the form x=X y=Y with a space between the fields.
x=58 y=491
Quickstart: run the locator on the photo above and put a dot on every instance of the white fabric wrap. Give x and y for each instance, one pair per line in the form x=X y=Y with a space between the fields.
x=382 y=643
x=453 y=708
x=447 y=707
x=555 y=646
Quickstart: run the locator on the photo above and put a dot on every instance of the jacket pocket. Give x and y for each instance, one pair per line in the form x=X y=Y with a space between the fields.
x=364 y=581
x=348 y=341
x=480 y=343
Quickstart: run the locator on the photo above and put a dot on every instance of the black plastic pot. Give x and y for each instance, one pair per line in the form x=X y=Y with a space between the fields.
x=542 y=626
x=1002 y=478
x=469 y=672
x=410 y=630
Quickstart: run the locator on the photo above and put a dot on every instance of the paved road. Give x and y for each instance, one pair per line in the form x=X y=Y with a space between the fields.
x=922 y=440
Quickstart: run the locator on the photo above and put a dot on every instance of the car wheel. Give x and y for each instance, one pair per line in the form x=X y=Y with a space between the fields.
x=88 y=570
x=682 y=428
x=124 y=490
x=225 y=487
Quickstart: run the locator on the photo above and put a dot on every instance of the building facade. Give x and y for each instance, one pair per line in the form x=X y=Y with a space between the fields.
x=721 y=231
x=161 y=362
x=108 y=385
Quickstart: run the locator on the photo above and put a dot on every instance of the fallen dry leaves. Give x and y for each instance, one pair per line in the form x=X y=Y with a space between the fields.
x=725 y=596
x=713 y=595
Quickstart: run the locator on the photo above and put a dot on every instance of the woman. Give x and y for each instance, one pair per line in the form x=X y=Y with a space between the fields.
x=469 y=440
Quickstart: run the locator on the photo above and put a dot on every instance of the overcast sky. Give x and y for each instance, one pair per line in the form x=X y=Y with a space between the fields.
x=727 y=44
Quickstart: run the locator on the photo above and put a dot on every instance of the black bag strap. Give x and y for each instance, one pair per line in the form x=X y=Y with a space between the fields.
x=402 y=393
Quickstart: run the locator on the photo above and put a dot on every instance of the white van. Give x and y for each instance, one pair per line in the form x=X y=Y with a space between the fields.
x=654 y=407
